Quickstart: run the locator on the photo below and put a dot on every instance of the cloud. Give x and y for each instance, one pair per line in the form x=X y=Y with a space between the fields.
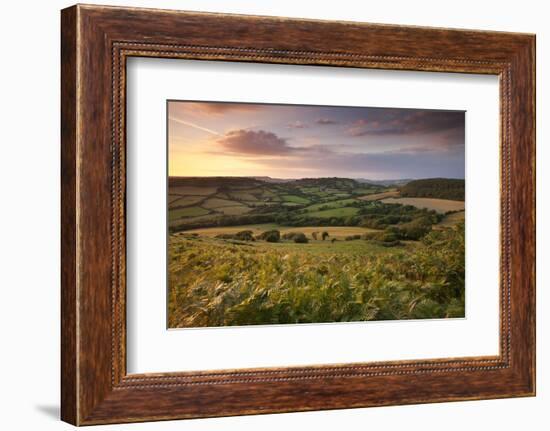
x=211 y=108
x=297 y=125
x=326 y=121
x=195 y=126
x=406 y=122
x=373 y=165
x=256 y=143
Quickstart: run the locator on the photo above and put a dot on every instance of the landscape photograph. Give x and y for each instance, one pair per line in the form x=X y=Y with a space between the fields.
x=294 y=214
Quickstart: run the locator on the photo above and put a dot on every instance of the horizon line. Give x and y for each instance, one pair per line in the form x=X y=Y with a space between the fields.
x=306 y=177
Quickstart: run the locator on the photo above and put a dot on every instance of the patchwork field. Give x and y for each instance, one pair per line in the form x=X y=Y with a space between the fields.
x=186 y=212
x=379 y=196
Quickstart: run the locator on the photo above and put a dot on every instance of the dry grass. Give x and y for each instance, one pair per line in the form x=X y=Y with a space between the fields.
x=439 y=205
x=450 y=220
x=219 y=283
x=333 y=231
x=190 y=190
x=380 y=196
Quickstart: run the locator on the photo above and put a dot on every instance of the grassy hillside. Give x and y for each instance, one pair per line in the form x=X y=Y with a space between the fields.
x=442 y=188
x=216 y=282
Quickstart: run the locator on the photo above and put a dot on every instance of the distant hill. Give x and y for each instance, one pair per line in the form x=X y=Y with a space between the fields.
x=332 y=182
x=441 y=188
x=273 y=180
x=385 y=183
x=214 y=181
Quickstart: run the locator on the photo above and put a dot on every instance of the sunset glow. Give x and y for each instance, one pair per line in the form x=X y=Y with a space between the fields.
x=296 y=141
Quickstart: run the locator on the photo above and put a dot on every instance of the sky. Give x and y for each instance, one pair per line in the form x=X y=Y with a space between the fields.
x=305 y=141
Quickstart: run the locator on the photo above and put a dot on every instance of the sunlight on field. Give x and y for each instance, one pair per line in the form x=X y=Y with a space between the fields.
x=379 y=196
x=439 y=205
x=450 y=220
x=333 y=231
x=335 y=212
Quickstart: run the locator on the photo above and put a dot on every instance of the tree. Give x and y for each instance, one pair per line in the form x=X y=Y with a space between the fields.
x=324 y=235
x=299 y=237
x=245 y=235
x=314 y=235
x=270 y=236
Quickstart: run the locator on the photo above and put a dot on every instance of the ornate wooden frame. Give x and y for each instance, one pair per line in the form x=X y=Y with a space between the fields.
x=96 y=41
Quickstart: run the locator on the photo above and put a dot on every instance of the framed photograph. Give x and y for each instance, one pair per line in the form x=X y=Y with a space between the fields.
x=267 y=215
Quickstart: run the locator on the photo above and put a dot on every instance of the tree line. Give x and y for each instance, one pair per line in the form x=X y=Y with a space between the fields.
x=440 y=188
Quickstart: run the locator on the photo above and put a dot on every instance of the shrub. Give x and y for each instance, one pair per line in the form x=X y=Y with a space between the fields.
x=414 y=230
x=389 y=243
x=270 y=236
x=443 y=188
x=299 y=237
x=289 y=235
x=385 y=238
x=244 y=235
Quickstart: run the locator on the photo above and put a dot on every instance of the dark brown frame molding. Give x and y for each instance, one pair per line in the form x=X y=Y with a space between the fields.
x=95 y=43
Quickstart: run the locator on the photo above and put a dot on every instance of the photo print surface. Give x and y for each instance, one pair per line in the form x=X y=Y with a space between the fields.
x=289 y=214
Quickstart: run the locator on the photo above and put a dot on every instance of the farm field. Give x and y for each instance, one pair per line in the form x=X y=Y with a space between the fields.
x=440 y=205
x=333 y=231
x=379 y=196
x=187 y=212
x=219 y=197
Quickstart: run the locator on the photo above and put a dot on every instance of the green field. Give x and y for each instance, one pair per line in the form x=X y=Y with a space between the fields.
x=329 y=205
x=192 y=190
x=184 y=201
x=243 y=251
x=295 y=199
x=244 y=196
x=186 y=212
x=214 y=203
x=234 y=210
x=335 y=212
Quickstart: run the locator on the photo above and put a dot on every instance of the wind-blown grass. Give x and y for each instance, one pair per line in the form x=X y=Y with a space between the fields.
x=224 y=283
